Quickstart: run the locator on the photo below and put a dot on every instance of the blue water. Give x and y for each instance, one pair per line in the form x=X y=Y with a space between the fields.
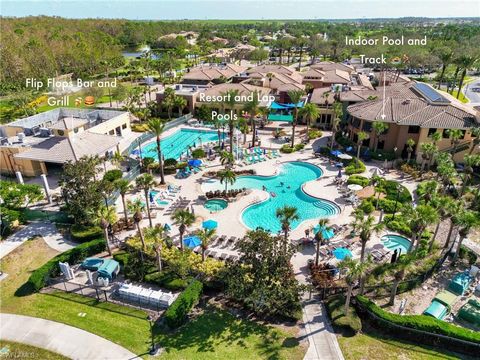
x=177 y=144
x=293 y=175
x=396 y=242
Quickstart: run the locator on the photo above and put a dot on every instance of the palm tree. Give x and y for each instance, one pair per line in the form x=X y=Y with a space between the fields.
x=286 y=215
x=470 y=161
x=454 y=135
x=378 y=128
x=183 y=219
x=361 y=136
x=295 y=97
x=156 y=237
x=436 y=137
x=270 y=76
x=453 y=208
x=310 y=113
x=363 y=271
x=445 y=54
x=226 y=158
x=401 y=268
x=205 y=236
x=353 y=271
x=465 y=220
x=104 y=217
x=428 y=152
x=136 y=207
x=227 y=176
x=123 y=186
x=410 y=145
x=145 y=182
x=441 y=204
x=319 y=238
x=264 y=111
x=156 y=127
x=366 y=227
x=475 y=133
x=338 y=111
x=180 y=103
x=418 y=219
x=466 y=61
x=230 y=99
x=251 y=107
x=117 y=159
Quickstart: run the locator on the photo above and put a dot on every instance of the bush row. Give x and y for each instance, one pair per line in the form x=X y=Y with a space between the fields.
x=421 y=322
x=287 y=149
x=178 y=311
x=355 y=167
x=358 y=180
x=84 y=233
x=38 y=278
x=167 y=279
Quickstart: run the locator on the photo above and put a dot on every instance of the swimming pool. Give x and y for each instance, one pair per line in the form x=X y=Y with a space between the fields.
x=396 y=242
x=292 y=175
x=177 y=144
x=214 y=205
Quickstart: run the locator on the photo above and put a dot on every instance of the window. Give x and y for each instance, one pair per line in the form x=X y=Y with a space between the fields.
x=356 y=123
x=124 y=126
x=413 y=129
x=431 y=132
x=111 y=132
x=367 y=126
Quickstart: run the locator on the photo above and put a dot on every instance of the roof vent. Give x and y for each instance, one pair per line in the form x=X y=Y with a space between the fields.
x=406 y=102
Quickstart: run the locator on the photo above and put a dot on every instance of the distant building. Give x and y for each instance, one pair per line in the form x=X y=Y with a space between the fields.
x=44 y=142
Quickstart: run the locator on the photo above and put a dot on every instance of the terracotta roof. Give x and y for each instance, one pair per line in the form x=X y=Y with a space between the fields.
x=329 y=76
x=59 y=150
x=330 y=65
x=212 y=72
x=243 y=89
x=280 y=69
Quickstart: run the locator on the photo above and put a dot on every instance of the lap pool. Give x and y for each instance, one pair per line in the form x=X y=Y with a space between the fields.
x=175 y=145
x=285 y=188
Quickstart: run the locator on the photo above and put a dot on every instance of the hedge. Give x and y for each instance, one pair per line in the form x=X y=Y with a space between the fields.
x=84 y=233
x=358 y=180
x=167 y=279
x=421 y=322
x=198 y=153
x=38 y=278
x=355 y=167
x=286 y=149
x=390 y=188
x=112 y=175
x=335 y=307
x=177 y=313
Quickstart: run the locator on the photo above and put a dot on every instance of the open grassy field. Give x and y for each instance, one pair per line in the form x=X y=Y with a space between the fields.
x=13 y=350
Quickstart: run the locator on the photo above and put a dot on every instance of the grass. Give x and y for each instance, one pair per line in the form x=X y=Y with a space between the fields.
x=461 y=98
x=213 y=335
x=374 y=346
x=216 y=334
x=13 y=350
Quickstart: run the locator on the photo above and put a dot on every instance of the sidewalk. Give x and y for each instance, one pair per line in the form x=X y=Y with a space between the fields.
x=59 y=338
x=48 y=231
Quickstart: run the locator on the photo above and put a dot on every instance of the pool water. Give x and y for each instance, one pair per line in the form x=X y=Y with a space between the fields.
x=175 y=145
x=214 y=205
x=396 y=242
x=293 y=175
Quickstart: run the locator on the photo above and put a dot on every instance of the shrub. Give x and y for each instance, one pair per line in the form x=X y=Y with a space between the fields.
x=170 y=162
x=139 y=127
x=367 y=206
x=358 y=180
x=112 y=175
x=178 y=311
x=382 y=155
x=38 y=278
x=84 y=233
x=345 y=142
x=299 y=147
x=314 y=134
x=388 y=206
x=355 y=167
x=390 y=188
x=287 y=149
x=466 y=253
x=167 y=279
x=351 y=322
x=397 y=225
x=421 y=322
x=198 y=153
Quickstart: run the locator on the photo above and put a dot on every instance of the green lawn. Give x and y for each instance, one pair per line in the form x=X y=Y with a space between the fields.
x=213 y=335
x=13 y=350
x=374 y=346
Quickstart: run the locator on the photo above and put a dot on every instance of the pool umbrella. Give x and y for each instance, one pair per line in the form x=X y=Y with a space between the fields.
x=339 y=165
x=342 y=253
x=192 y=241
x=336 y=152
x=195 y=162
x=167 y=227
x=355 y=187
x=344 y=156
x=327 y=233
x=150 y=196
x=210 y=224
x=376 y=171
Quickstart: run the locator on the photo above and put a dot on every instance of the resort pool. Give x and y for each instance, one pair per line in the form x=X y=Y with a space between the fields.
x=396 y=242
x=285 y=188
x=177 y=144
x=214 y=205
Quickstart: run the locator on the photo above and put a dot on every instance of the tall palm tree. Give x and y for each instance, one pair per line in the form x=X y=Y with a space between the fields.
x=410 y=144
x=428 y=152
x=364 y=270
x=104 y=217
x=366 y=227
x=465 y=220
x=441 y=204
x=117 y=159
x=453 y=208
x=156 y=237
x=205 y=236
x=286 y=215
x=418 y=219
x=398 y=276
x=180 y=103
x=227 y=176
x=319 y=238
x=136 y=207
x=454 y=135
x=156 y=127
x=310 y=113
x=338 y=112
x=295 y=97
x=252 y=108
x=353 y=271
x=475 y=132
x=466 y=61
x=378 y=128
x=470 y=161
x=183 y=219
x=445 y=54
x=361 y=136
x=230 y=97
x=270 y=76
x=123 y=186
x=145 y=182
x=226 y=158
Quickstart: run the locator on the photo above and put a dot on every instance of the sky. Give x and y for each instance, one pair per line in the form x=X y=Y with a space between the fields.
x=241 y=9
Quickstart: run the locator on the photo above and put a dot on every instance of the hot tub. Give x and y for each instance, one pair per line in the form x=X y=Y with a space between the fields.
x=214 y=205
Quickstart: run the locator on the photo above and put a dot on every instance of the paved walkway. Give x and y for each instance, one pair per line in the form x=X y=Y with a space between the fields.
x=60 y=338
x=48 y=231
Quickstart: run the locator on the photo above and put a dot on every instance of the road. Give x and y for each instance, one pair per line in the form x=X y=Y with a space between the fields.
x=473 y=96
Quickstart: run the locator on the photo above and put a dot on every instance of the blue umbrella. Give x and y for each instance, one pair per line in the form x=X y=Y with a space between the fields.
x=150 y=195
x=327 y=233
x=167 y=227
x=342 y=253
x=336 y=152
x=210 y=224
x=192 y=241
x=195 y=162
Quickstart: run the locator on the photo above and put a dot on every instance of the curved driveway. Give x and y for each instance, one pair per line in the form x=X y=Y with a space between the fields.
x=63 y=339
